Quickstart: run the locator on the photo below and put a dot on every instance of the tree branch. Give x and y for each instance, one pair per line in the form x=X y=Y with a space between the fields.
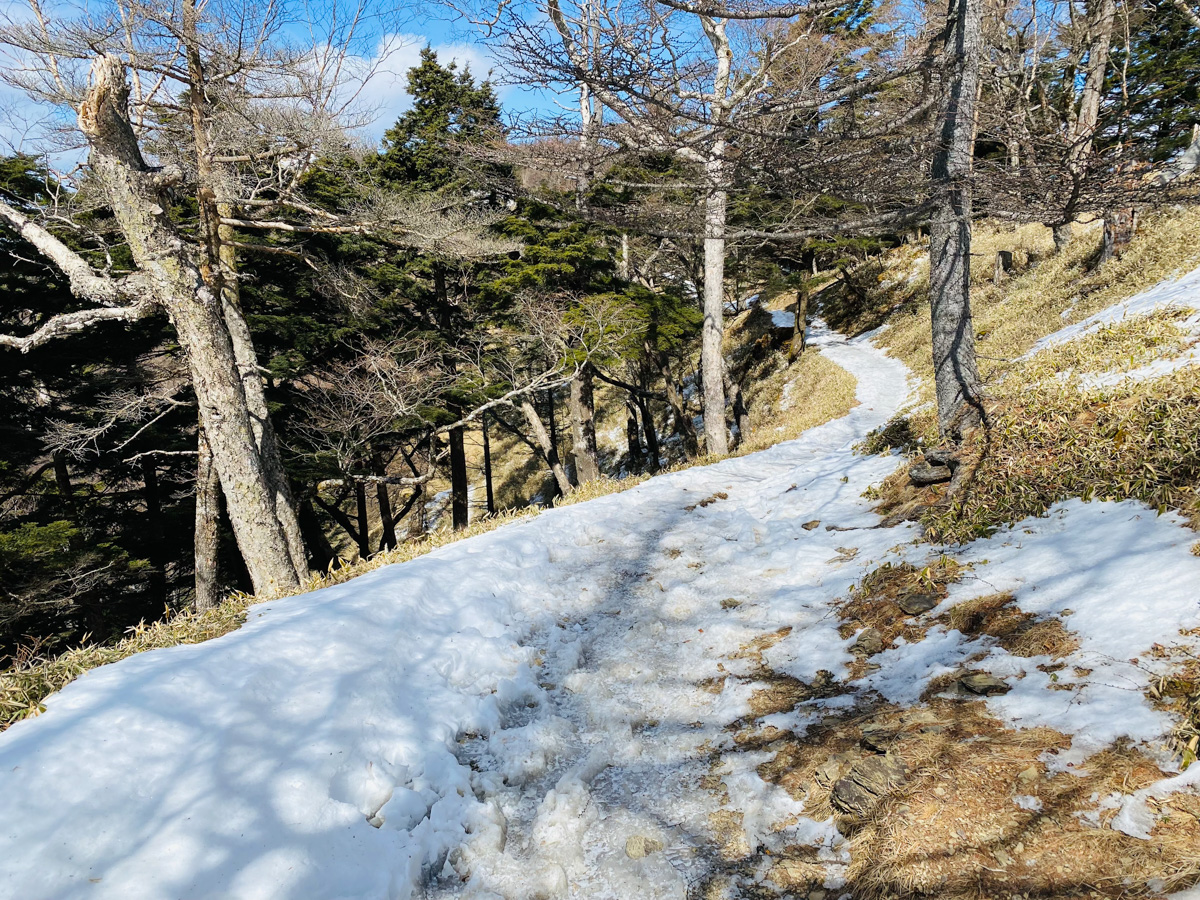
x=74 y=322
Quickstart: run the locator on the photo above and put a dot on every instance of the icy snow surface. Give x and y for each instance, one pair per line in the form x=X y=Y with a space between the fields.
x=517 y=706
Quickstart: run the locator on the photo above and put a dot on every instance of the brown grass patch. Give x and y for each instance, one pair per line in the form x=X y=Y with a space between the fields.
x=1018 y=632
x=875 y=602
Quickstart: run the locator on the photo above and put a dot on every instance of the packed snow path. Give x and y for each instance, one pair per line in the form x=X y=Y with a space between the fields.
x=524 y=714
x=249 y=766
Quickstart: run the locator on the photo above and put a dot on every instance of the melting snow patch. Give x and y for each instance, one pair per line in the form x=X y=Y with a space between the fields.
x=1183 y=293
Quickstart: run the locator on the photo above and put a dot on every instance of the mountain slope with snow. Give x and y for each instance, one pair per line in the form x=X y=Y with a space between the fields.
x=552 y=709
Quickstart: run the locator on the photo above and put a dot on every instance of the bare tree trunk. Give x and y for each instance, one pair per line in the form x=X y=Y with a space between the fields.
x=632 y=438
x=741 y=416
x=62 y=481
x=956 y=376
x=364 y=521
x=387 y=539
x=460 y=514
x=716 y=435
x=623 y=268
x=155 y=534
x=208 y=535
x=222 y=255
x=583 y=427
x=487 y=466
x=652 y=447
x=800 y=328
x=314 y=536
x=135 y=193
x=684 y=426
x=549 y=451
x=260 y=417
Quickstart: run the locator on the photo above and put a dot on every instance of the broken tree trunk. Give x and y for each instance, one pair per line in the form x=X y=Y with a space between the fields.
x=136 y=194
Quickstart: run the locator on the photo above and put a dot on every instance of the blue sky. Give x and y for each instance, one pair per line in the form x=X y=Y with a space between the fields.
x=389 y=55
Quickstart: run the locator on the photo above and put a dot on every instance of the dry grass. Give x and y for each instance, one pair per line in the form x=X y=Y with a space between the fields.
x=953 y=829
x=1119 y=347
x=1049 y=439
x=1018 y=632
x=1050 y=443
x=809 y=392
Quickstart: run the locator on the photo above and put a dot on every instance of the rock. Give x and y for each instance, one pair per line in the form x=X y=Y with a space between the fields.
x=923 y=474
x=639 y=846
x=984 y=684
x=857 y=794
x=916 y=603
x=809 y=526
x=879 y=737
x=942 y=456
x=868 y=643
x=833 y=768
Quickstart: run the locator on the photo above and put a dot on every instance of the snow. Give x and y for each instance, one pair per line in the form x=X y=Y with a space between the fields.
x=1156 y=369
x=783 y=318
x=1180 y=293
x=515 y=705
x=499 y=718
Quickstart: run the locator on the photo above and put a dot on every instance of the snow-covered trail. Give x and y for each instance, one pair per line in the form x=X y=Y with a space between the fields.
x=515 y=706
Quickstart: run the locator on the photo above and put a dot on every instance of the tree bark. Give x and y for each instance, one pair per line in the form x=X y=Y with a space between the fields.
x=583 y=427
x=314 y=536
x=632 y=438
x=956 y=375
x=684 y=426
x=364 y=521
x=387 y=538
x=135 y=193
x=207 y=532
x=460 y=514
x=155 y=532
x=219 y=266
x=62 y=481
x=800 y=328
x=487 y=466
x=741 y=416
x=716 y=435
x=549 y=451
x=653 y=450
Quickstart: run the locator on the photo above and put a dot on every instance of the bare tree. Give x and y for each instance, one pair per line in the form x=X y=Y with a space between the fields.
x=215 y=102
x=956 y=374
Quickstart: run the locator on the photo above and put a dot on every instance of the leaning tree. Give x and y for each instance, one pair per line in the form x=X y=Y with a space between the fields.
x=201 y=123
